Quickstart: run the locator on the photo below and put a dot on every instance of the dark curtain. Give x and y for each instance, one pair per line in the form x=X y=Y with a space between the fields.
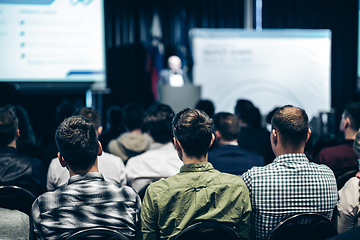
x=341 y=17
x=127 y=25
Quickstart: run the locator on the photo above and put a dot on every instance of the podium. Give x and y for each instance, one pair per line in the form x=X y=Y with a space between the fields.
x=179 y=98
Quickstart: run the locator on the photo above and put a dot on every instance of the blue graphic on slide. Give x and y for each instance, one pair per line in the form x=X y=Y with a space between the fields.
x=45 y=2
x=85 y=2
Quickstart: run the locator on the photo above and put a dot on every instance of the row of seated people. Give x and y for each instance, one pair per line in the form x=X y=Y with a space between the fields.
x=289 y=185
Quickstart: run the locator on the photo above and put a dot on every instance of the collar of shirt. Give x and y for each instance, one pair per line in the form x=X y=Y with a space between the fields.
x=8 y=150
x=196 y=167
x=291 y=157
x=86 y=176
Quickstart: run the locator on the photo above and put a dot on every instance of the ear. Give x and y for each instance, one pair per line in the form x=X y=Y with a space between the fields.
x=62 y=161
x=177 y=144
x=212 y=140
x=274 y=137
x=308 y=135
x=217 y=134
x=100 y=129
x=100 y=150
x=347 y=123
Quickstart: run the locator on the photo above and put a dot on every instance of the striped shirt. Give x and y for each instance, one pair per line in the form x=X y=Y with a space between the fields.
x=86 y=201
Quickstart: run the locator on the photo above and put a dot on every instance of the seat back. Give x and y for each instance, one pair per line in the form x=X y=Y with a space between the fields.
x=304 y=226
x=14 y=197
x=343 y=178
x=97 y=233
x=207 y=230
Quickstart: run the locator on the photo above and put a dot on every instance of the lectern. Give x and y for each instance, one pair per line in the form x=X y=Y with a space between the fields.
x=179 y=98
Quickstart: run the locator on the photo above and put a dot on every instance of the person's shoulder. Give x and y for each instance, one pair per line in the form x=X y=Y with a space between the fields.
x=110 y=158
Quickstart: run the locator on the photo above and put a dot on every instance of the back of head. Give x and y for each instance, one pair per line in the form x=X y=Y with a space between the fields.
x=8 y=125
x=27 y=135
x=193 y=129
x=77 y=142
x=63 y=110
x=357 y=144
x=158 y=122
x=352 y=111
x=114 y=116
x=90 y=113
x=248 y=113
x=206 y=106
x=292 y=123
x=133 y=116
x=227 y=125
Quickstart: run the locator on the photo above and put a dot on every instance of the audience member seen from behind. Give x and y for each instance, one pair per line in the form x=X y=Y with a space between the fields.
x=198 y=192
x=229 y=157
x=342 y=158
x=26 y=143
x=17 y=169
x=161 y=160
x=251 y=136
x=114 y=126
x=207 y=106
x=291 y=184
x=110 y=166
x=87 y=200
x=133 y=142
x=47 y=142
x=348 y=207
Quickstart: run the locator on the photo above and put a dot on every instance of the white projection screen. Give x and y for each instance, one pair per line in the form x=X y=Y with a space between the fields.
x=270 y=67
x=52 y=41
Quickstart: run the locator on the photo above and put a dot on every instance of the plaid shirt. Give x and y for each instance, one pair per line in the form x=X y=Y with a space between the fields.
x=289 y=185
x=87 y=201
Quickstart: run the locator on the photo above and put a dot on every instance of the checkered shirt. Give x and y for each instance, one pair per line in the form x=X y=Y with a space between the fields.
x=86 y=201
x=289 y=185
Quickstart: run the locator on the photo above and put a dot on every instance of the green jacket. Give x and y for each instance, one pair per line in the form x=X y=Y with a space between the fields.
x=198 y=192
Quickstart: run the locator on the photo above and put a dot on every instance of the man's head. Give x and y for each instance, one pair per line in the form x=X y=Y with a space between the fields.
x=158 y=122
x=206 y=106
x=8 y=125
x=226 y=126
x=174 y=63
x=247 y=113
x=77 y=142
x=193 y=132
x=290 y=130
x=350 y=120
x=91 y=114
x=133 y=116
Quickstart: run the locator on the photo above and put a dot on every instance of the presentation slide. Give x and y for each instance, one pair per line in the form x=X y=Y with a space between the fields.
x=270 y=67
x=52 y=41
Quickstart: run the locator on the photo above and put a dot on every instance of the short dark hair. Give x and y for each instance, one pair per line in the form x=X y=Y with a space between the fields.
x=207 y=106
x=248 y=113
x=133 y=116
x=77 y=142
x=114 y=116
x=193 y=129
x=292 y=123
x=227 y=125
x=8 y=125
x=90 y=113
x=352 y=111
x=158 y=122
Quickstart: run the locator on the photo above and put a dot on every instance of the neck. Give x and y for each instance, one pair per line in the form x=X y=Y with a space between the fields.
x=136 y=131
x=189 y=160
x=93 y=168
x=12 y=144
x=350 y=134
x=288 y=151
x=225 y=142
